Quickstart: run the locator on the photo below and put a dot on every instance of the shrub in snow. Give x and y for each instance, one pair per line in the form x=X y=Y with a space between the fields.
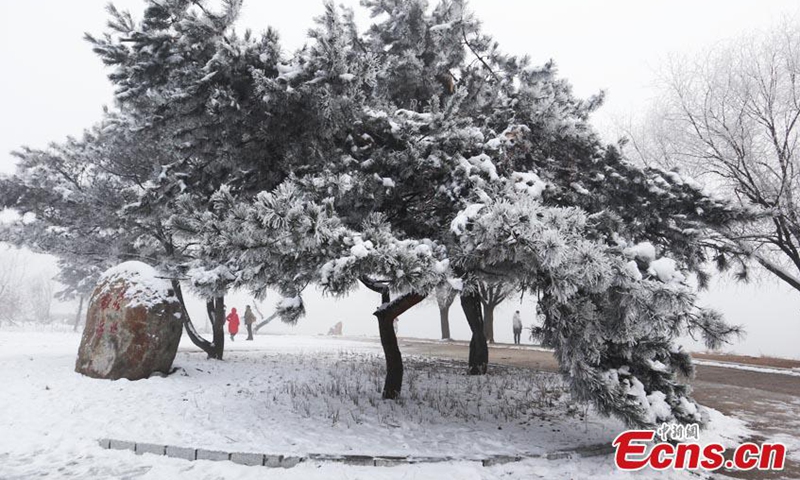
x=133 y=325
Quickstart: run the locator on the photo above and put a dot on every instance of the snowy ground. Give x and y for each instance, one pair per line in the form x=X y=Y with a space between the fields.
x=289 y=395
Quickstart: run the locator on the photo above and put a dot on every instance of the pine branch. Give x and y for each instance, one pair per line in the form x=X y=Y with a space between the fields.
x=480 y=58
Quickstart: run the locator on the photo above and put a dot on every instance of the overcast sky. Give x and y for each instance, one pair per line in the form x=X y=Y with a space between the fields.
x=52 y=85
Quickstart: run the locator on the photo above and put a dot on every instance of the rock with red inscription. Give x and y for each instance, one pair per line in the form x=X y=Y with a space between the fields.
x=133 y=325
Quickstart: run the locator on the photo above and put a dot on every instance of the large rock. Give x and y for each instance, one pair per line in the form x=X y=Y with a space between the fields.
x=132 y=327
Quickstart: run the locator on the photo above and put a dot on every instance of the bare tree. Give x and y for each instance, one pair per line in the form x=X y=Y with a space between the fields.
x=39 y=294
x=78 y=315
x=492 y=295
x=731 y=115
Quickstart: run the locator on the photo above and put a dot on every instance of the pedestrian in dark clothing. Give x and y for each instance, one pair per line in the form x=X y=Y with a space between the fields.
x=517 y=324
x=249 y=320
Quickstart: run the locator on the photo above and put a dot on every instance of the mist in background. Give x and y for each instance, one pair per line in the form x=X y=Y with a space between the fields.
x=54 y=86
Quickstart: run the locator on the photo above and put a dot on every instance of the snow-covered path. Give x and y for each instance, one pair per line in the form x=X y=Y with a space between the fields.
x=282 y=395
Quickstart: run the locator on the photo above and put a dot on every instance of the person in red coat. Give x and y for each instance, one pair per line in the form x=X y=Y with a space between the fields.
x=233 y=323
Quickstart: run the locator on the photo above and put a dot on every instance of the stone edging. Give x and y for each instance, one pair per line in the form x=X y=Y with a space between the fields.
x=288 y=461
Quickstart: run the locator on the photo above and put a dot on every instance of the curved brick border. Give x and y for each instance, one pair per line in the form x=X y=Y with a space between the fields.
x=288 y=461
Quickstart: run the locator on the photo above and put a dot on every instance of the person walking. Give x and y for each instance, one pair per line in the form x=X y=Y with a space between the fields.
x=249 y=320
x=517 y=324
x=233 y=323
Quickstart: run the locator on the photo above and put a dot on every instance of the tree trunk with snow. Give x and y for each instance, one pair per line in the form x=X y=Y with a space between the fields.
x=478 y=349
x=444 y=319
x=264 y=321
x=394 y=361
x=211 y=349
x=216 y=314
x=488 y=322
x=444 y=299
x=386 y=314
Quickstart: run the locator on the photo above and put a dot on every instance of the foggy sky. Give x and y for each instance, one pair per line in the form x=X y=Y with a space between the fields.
x=52 y=86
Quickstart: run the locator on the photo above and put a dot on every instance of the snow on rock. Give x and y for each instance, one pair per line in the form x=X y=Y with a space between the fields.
x=144 y=287
x=666 y=270
x=459 y=224
x=132 y=325
x=528 y=182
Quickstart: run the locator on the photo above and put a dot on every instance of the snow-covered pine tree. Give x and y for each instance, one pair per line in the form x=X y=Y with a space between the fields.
x=212 y=99
x=499 y=125
x=79 y=279
x=68 y=207
x=292 y=237
x=612 y=326
x=503 y=117
x=479 y=143
x=86 y=202
x=398 y=158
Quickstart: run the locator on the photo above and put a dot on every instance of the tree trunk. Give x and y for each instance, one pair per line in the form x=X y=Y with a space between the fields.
x=195 y=337
x=265 y=321
x=78 y=315
x=394 y=359
x=488 y=321
x=216 y=313
x=386 y=314
x=444 y=319
x=444 y=299
x=478 y=349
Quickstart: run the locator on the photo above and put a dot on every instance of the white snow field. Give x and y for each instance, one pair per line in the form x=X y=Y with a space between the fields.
x=293 y=395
